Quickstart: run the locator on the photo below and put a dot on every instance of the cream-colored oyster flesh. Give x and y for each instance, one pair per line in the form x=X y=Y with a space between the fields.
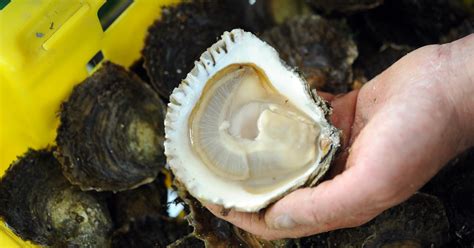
x=242 y=129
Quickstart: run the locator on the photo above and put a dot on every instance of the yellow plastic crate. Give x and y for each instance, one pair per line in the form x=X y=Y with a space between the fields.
x=47 y=47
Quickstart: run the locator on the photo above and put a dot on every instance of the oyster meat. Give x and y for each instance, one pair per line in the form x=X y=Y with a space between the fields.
x=242 y=130
x=111 y=132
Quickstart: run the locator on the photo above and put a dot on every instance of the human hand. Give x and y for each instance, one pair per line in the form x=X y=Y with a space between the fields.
x=398 y=132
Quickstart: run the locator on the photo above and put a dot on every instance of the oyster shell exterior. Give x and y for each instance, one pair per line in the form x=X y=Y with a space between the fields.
x=418 y=222
x=344 y=6
x=150 y=232
x=464 y=29
x=375 y=61
x=242 y=130
x=111 y=132
x=39 y=204
x=218 y=233
x=453 y=186
x=189 y=241
x=176 y=40
x=146 y=201
x=322 y=50
x=407 y=22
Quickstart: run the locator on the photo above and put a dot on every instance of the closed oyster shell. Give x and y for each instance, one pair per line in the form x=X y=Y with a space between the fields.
x=111 y=132
x=146 y=201
x=453 y=186
x=419 y=222
x=40 y=205
x=218 y=233
x=150 y=232
x=322 y=50
x=176 y=40
x=344 y=6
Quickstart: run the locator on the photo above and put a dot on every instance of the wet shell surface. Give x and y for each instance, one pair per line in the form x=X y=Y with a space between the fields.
x=111 y=132
x=38 y=204
x=242 y=129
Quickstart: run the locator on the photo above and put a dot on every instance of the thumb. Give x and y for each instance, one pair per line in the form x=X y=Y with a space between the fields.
x=340 y=202
x=308 y=206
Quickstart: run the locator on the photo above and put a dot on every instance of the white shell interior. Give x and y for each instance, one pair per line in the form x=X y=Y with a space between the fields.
x=239 y=190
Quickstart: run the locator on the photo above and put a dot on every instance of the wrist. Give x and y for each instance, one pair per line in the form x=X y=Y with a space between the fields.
x=459 y=87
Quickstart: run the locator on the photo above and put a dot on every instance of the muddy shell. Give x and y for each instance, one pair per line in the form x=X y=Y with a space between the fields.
x=40 y=205
x=322 y=50
x=189 y=241
x=464 y=29
x=150 y=232
x=453 y=185
x=419 y=222
x=111 y=132
x=409 y=22
x=146 y=201
x=374 y=61
x=344 y=6
x=216 y=232
x=177 y=40
x=264 y=14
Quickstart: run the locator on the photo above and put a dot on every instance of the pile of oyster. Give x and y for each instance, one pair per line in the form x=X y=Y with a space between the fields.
x=223 y=108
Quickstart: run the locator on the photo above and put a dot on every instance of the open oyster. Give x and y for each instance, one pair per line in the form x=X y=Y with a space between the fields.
x=40 y=205
x=243 y=129
x=111 y=133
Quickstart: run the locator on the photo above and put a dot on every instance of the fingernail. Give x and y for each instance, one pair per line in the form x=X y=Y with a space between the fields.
x=284 y=222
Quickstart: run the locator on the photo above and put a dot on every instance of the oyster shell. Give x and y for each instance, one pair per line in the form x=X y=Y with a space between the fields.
x=322 y=50
x=409 y=22
x=146 y=201
x=218 y=233
x=344 y=6
x=375 y=61
x=111 y=132
x=418 y=222
x=464 y=29
x=189 y=241
x=39 y=204
x=453 y=185
x=176 y=40
x=264 y=14
x=150 y=232
x=242 y=130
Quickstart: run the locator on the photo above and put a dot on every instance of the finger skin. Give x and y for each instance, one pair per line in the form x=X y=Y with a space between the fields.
x=406 y=125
